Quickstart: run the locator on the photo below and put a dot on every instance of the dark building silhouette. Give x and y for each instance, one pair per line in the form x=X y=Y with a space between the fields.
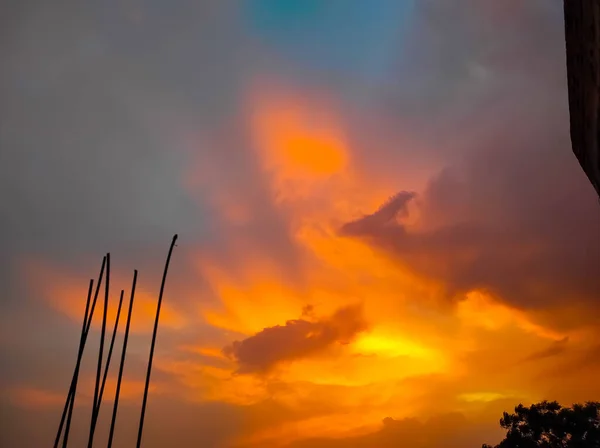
x=582 y=35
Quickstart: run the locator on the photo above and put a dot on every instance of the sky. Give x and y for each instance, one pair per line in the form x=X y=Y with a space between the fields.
x=384 y=236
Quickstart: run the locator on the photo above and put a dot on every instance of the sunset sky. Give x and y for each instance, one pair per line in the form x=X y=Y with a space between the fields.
x=384 y=236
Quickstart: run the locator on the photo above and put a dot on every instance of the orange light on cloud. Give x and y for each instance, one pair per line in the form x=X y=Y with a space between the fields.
x=297 y=139
x=131 y=390
x=35 y=398
x=66 y=292
x=302 y=148
x=244 y=300
x=479 y=309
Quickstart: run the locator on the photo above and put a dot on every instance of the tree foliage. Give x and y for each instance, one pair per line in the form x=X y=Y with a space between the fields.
x=549 y=425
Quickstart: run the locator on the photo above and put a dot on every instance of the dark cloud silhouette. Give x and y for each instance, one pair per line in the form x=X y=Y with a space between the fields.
x=520 y=246
x=295 y=340
x=556 y=348
x=582 y=359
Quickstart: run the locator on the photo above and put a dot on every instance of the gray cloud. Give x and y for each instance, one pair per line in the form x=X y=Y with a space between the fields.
x=93 y=103
x=295 y=340
x=531 y=258
x=511 y=211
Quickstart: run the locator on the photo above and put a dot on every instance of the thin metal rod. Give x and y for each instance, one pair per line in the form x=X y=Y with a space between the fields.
x=96 y=294
x=100 y=354
x=87 y=331
x=72 y=387
x=122 y=364
x=152 y=345
x=71 y=396
x=110 y=350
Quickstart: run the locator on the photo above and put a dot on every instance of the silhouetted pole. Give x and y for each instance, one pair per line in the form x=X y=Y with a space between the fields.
x=73 y=389
x=160 y=296
x=87 y=331
x=122 y=364
x=108 y=358
x=110 y=350
x=83 y=339
x=100 y=354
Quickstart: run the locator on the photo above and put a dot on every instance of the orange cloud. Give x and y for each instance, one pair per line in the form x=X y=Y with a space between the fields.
x=35 y=398
x=300 y=143
x=64 y=291
x=301 y=140
x=131 y=390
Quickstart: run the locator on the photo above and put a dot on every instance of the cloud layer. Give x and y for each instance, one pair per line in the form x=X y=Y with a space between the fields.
x=411 y=157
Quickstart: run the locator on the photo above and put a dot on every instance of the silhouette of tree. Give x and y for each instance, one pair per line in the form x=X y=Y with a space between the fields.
x=549 y=425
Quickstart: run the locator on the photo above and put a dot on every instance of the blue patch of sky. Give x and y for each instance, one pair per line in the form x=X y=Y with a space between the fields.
x=355 y=38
